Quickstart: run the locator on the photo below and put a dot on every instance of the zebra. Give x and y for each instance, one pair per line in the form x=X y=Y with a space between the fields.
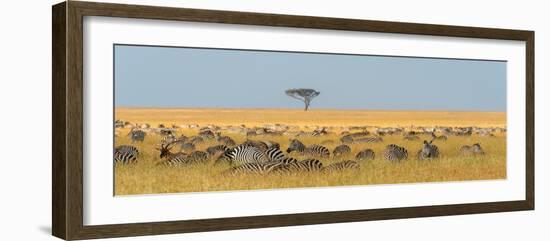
x=394 y=152
x=341 y=150
x=342 y=166
x=475 y=150
x=226 y=140
x=187 y=147
x=126 y=154
x=257 y=144
x=308 y=165
x=313 y=150
x=274 y=154
x=252 y=168
x=246 y=154
x=439 y=138
x=428 y=151
x=207 y=134
x=180 y=158
x=411 y=137
x=214 y=150
x=369 y=140
x=367 y=154
x=196 y=139
x=137 y=135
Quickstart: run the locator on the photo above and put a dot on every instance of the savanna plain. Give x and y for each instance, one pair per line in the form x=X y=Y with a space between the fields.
x=147 y=176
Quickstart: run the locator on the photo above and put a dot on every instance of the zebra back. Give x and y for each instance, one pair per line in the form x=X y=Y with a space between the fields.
x=395 y=153
x=126 y=154
x=342 y=166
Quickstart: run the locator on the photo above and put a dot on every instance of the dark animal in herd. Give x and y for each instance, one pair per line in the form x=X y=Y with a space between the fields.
x=126 y=154
x=395 y=153
x=313 y=150
x=428 y=151
x=261 y=157
x=474 y=149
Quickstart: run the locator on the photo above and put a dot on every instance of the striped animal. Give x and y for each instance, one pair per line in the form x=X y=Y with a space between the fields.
x=313 y=150
x=411 y=138
x=368 y=140
x=180 y=158
x=308 y=165
x=257 y=144
x=126 y=154
x=439 y=138
x=246 y=154
x=137 y=135
x=341 y=150
x=342 y=166
x=216 y=150
x=187 y=146
x=252 y=168
x=395 y=153
x=364 y=155
x=275 y=154
x=428 y=151
x=225 y=140
x=474 y=149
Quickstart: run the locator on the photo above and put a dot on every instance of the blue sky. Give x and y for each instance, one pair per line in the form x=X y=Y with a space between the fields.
x=150 y=76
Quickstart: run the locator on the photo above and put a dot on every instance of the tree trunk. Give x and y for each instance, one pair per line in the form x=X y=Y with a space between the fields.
x=306 y=105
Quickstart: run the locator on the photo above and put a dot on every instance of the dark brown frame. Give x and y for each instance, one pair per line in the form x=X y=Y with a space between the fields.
x=67 y=77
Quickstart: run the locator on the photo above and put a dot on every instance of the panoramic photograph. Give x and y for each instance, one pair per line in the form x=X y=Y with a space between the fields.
x=192 y=119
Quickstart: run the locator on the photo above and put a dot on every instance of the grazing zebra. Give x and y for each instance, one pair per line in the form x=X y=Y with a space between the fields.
x=274 y=154
x=395 y=153
x=411 y=138
x=313 y=150
x=215 y=150
x=308 y=165
x=180 y=158
x=367 y=154
x=137 y=135
x=439 y=138
x=272 y=144
x=196 y=139
x=257 y=144
x=246 y=154
x=368 y=140
x=342 y=166
x=341 y=150
x=187 y=147
x=428 y=151
x=126 y=154
x=475 y=150
x=252 y=168
x=207 y=134
x=183 y=159
x=226 y=140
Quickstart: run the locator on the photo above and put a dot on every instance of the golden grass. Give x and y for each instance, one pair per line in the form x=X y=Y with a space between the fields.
x=147 y=178
x=257 y=117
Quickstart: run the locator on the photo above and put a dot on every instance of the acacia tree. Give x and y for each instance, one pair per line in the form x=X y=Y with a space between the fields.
x=304 y=95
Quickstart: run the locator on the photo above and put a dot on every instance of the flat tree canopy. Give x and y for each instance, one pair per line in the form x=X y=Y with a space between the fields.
x=305 y=95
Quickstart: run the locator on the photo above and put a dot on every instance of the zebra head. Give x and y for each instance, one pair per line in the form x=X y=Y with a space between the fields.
x=477 y=148
x=427 y=148
x=295 y=145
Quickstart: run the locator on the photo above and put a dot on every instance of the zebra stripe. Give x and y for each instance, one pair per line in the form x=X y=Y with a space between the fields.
x=252 y=168
x=275 y=154
x=313 y=150
x=246 y=154
x=342 y=166
x=213 y=150
x=126 y=154
x=367 y=154
x=475 y=149
x=308 y=165
x=395 y=153
x=428 y=151
x=182 y=159
x=341 y=150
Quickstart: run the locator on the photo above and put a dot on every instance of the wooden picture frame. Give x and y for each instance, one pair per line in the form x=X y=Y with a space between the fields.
x=67 y=77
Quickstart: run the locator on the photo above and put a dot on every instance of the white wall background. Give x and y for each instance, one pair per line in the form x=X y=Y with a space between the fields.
x=25 y=100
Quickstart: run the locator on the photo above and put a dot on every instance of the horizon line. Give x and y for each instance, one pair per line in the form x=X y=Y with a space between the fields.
x=314 y=109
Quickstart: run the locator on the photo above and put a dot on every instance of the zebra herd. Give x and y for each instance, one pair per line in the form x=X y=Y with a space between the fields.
x=266 y=157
